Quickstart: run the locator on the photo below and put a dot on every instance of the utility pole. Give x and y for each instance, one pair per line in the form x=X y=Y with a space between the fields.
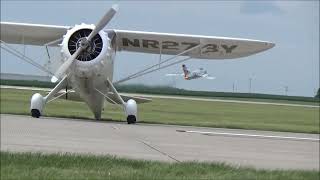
x=250 y=81
x=233 y=87
x=286 y=89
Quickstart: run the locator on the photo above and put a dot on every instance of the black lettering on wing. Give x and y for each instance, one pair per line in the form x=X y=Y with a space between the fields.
x=150 y=43
x=170 y=45
x=209 y=48
x=228 y=49
x=127 y=42
x=189 y=45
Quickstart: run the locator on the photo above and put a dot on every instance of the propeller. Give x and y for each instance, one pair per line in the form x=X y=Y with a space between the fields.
x=85 y=43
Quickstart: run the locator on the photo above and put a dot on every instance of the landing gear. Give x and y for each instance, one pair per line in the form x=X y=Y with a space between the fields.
x=38 y=101
x=131 y=119
x=35 y=113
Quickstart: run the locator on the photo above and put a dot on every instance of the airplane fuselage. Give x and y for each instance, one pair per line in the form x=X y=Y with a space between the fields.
x=95 y=78
x=195 y=74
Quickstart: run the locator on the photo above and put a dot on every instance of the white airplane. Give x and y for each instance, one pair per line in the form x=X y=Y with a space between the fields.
x=88 y=53
x=195 y=74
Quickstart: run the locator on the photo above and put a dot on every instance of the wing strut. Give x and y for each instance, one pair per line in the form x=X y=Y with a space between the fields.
x=151 y=69
x=20 y=55
x=111 y=100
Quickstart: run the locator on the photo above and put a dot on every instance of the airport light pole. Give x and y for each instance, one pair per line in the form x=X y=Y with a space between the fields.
x=250 y=81
x=233 y=87
x=286 y=89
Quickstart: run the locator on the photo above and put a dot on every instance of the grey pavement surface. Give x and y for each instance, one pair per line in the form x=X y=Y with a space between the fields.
x=259 y=149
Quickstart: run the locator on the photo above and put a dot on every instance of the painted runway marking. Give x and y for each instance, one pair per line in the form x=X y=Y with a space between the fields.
x=251 y=135
x=158 y=150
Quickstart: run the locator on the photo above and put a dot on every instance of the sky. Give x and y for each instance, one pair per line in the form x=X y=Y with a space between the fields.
x=292 y=25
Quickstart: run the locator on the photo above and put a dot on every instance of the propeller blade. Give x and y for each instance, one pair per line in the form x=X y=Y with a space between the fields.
x=103 y=21
x=65 y=66
x=99 y=26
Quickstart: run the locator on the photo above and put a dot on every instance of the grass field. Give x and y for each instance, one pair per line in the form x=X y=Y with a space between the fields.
x=166 y=90
x=70 y=166
x=182 y=112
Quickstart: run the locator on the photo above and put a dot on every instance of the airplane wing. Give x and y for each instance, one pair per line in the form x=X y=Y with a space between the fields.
x=211 y=78
x=207 y=76
x=174 y=75
x=31 y=34
x=210 y=47
x=125 y=98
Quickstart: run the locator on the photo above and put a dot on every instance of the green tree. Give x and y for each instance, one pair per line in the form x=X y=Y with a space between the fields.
x=318 y=94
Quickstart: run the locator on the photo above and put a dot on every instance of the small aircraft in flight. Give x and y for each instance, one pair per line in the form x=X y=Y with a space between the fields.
x=88 y=53
x=195 y=74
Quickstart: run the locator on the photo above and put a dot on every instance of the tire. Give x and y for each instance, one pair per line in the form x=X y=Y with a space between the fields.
x=35 y=113
x=131 y=119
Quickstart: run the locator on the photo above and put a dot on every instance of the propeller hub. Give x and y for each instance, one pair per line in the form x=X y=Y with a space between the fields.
x=90 y=49
x=83 y=42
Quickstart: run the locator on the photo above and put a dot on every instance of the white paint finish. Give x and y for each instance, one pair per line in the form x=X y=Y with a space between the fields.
x=31 y=34
x=245 y=47
x=40 y=34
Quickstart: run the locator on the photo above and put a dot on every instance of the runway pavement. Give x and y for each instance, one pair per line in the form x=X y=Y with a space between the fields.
x=260 y=149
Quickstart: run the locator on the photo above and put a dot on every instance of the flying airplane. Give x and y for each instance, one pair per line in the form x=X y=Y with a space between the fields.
x=195 y=74
x=88 y=53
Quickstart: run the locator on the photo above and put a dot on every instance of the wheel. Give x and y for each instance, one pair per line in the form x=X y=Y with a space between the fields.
x=35 y=113
x=131 y=119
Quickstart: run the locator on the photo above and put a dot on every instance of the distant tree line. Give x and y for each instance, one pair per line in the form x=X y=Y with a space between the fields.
x=165 y=90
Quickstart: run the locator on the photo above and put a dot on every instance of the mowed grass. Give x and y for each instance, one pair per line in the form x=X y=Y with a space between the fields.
x=71 y=166
x=181 y=112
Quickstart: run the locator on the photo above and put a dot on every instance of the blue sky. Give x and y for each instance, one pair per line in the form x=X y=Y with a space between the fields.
x=292 y=25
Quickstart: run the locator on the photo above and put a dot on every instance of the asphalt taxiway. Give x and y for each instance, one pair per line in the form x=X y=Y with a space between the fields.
x=259 y=149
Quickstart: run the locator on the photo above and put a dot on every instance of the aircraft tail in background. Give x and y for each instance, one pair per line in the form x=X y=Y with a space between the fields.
x=185 y=70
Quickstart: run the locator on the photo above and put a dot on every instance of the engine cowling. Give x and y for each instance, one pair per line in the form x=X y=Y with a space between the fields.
x=37 y=105
x=131 y=110
x=91 y=59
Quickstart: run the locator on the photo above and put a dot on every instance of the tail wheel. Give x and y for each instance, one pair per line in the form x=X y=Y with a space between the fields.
x=131 y=119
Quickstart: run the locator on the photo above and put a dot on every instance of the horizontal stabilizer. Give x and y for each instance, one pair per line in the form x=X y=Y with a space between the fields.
x=70 y=96
x=174 y=74
x=125 y=98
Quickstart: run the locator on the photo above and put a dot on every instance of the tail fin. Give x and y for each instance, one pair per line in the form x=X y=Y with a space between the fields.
x=185 y=70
